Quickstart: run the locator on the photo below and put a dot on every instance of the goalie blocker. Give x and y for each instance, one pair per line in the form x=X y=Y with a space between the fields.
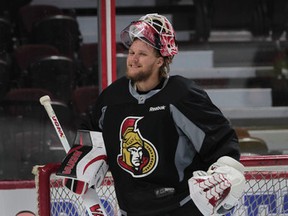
x=85 y=165
x=218 y=190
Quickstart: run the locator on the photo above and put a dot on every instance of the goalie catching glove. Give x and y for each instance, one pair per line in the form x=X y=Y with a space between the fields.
x=85 y=164
x=217 y=191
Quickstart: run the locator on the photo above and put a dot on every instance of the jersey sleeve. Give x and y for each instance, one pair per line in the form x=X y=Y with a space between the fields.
x=205 y=126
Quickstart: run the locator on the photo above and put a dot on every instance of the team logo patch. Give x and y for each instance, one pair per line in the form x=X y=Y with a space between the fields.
x=138 y=156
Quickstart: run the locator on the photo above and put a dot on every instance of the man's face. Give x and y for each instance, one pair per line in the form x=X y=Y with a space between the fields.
x=142 y=62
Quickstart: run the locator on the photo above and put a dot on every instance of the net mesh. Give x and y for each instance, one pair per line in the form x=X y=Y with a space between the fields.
x=266 y=192
x=63 y=201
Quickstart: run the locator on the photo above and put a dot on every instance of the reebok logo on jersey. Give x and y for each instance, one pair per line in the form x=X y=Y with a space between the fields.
x=153 y=109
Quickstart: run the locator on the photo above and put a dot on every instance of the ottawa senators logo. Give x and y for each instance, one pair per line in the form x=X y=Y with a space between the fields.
x=138 y=156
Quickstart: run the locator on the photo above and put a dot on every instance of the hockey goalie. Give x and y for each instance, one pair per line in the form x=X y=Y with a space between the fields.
x=217 y=191
x=85 y=165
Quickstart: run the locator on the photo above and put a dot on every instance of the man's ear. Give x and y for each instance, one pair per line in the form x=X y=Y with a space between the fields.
x=160 y=61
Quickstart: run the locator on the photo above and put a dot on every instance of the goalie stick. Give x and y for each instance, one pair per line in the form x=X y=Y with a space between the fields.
x=46 y=102
x=91 y=199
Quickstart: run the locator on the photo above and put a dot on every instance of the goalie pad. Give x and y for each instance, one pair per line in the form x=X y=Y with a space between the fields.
x=218 y=190
x=85 y=164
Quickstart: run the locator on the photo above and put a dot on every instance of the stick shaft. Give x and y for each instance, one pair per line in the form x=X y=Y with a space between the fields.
x=46 y=102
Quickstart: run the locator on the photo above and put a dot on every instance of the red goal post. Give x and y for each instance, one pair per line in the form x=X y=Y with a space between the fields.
x=266 y=191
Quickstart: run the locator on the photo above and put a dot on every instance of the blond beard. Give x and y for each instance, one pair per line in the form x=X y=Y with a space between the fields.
x=139 y=77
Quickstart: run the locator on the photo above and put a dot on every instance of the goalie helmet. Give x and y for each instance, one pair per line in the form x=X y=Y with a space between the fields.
x=153 y=29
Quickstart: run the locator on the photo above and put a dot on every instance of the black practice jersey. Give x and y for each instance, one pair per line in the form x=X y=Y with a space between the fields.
x=155 y=141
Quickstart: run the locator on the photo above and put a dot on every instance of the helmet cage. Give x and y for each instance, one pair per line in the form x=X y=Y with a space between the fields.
x=140 y=30
x=154 y=30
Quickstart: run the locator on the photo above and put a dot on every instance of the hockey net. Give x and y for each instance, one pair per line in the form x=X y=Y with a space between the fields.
x=266 y=191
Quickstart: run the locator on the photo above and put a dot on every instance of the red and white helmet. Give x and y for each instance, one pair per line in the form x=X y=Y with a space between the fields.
x=154 y=29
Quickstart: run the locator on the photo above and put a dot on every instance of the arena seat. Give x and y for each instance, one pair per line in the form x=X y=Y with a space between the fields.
x=29 y=15
x=6 y=36
x=60 y=31
x=88 y=63
x=25 y=55
x=250 y=145
x=56 y=74
x=84 y=97
x=4 y=78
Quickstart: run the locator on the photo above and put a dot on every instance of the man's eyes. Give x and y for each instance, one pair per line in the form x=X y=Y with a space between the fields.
x=141 y=53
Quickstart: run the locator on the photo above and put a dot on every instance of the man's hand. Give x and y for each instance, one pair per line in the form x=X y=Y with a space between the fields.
x=85 y=165
x=218 y=190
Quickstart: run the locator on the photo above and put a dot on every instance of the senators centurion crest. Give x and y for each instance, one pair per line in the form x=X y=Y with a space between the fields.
x=138 y=155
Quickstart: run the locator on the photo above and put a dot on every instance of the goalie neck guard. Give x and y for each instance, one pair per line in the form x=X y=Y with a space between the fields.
x=153 y=29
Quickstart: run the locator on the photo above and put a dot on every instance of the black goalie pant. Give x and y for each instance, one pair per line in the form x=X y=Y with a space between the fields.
x=189 y=209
